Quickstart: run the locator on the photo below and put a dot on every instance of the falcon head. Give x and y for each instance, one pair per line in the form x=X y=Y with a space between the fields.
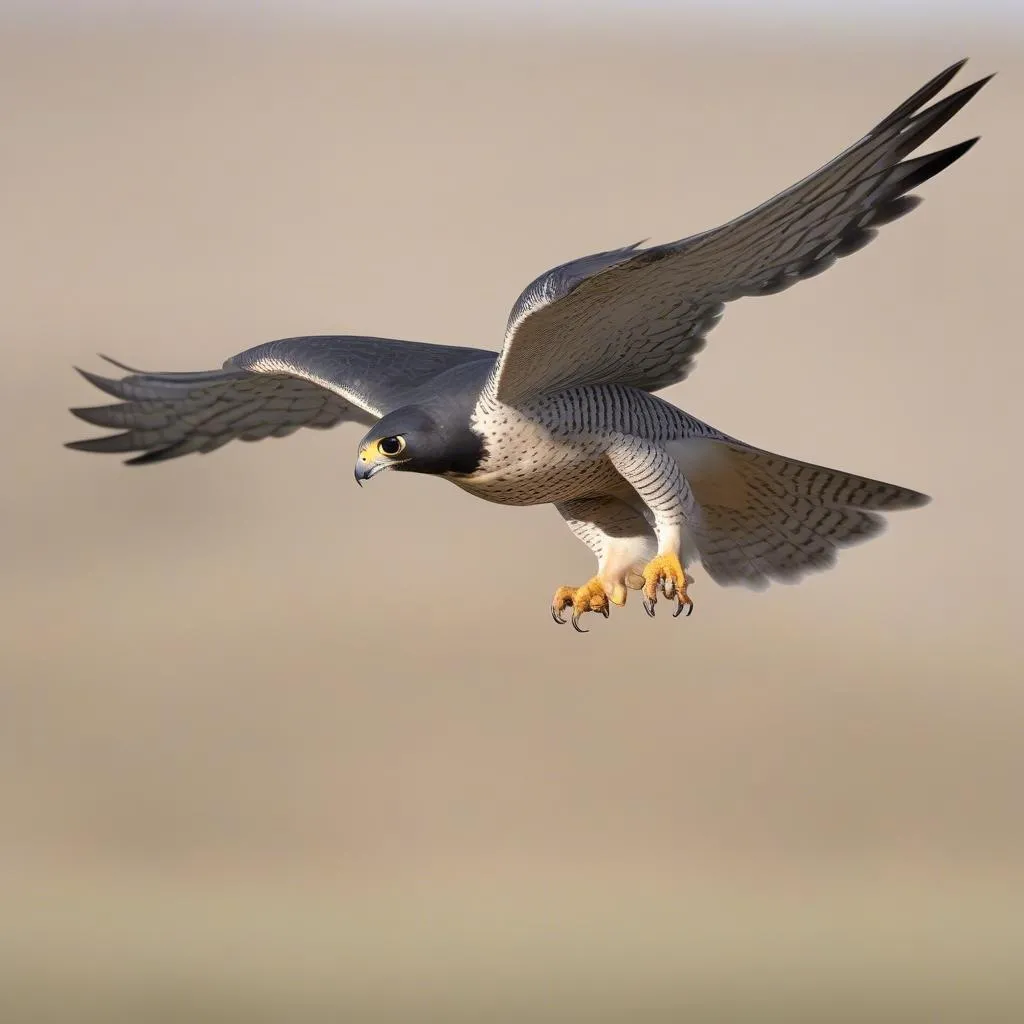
x=418 y=441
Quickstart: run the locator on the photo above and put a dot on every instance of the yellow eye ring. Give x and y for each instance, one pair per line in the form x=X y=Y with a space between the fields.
x=389 y=447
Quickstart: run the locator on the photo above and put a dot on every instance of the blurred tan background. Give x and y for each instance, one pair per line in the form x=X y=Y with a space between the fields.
x=274 y=748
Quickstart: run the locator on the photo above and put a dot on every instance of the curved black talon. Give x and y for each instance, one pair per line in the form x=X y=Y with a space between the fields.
x=649 y=608
x=688 y=605
x=576 y=623
x=556 y=614
x=606 y=611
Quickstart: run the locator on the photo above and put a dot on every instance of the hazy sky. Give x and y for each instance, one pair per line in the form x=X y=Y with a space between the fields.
x=896 y=13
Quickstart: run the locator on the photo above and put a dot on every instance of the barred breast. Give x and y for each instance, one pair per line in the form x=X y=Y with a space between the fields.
x=553 y=449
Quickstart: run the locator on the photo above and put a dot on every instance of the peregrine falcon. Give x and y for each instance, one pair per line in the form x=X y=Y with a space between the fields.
x=566 y=414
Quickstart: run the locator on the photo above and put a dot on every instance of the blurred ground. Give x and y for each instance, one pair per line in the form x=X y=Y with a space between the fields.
x=272 y=748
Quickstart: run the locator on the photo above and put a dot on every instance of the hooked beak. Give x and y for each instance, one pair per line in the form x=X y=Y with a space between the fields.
x=368 y=470
x=367 y=466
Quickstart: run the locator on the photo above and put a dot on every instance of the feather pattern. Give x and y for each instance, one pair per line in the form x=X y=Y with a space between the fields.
x=639 y=316
x=270 y=390
x=749 y=515
x=565 y=414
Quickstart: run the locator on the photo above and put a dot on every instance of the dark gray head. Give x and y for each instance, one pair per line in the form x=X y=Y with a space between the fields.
x=431 y=433
x=418 y=441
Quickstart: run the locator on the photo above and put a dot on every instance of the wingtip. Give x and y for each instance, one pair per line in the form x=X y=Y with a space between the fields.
x=975 y=86
x=147 y=458
x=104 y=384
x=100 y=415
x=92 y=378
x=81 y=412
x=944 y=77
x=913 y=105
x=81 y=446
x=118 y=363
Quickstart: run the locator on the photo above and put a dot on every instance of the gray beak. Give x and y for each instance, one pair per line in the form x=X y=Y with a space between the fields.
x=367 y=470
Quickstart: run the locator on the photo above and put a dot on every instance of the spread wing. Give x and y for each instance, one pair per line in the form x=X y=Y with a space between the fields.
x=639 y=316
x=267 y=391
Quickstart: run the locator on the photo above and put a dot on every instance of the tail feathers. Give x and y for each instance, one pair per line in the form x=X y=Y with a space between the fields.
x=758 y=545
x=831 y=488
x=764 y=517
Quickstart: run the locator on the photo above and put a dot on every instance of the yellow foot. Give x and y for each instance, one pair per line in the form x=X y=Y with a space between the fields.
x=588 y=598
x=664 y=573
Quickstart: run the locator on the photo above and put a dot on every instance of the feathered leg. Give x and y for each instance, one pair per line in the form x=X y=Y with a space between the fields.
x=621 y=539
x=656 y=478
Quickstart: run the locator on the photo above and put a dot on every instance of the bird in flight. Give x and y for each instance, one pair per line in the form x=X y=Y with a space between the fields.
x=565 y=414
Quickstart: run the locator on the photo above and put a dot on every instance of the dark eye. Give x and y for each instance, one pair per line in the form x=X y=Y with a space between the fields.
x=391 y=446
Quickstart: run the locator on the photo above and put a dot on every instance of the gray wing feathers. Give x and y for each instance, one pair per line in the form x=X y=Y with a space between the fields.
x=639 y=316
x=268 y=391
x=375 y=374
x=167 y=415
x=559 y=282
